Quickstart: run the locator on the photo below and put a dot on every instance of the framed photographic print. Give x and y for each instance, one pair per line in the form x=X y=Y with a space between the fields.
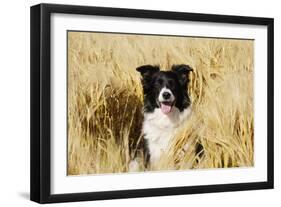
x=132 y=103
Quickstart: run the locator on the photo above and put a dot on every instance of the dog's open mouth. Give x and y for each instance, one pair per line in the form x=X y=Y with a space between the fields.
x=166 y=107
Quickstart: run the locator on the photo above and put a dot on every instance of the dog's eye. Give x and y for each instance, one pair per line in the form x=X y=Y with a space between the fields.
x=160 y=81
x=171 y=82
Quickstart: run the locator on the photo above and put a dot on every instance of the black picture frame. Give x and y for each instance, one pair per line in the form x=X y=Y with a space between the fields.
x=41 y=98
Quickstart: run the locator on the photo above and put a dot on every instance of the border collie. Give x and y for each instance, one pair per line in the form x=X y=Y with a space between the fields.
x=166 y=107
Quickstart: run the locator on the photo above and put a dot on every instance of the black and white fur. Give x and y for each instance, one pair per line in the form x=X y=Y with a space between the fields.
x=166 y=107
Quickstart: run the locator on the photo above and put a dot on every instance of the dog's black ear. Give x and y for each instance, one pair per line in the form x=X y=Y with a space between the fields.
x=183 y=71
x=147 y=70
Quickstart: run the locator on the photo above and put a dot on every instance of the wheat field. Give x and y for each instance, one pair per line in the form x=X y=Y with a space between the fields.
x=105 y=100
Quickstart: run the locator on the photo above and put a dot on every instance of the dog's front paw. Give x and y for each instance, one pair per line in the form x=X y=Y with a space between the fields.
x=134 y=166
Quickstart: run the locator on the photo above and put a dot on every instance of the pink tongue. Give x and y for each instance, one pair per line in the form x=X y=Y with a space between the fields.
x=165 y=108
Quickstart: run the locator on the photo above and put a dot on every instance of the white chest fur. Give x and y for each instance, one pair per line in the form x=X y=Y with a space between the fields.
x=159 y=129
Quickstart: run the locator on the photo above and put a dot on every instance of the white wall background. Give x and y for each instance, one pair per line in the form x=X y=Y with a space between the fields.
x=14 y=101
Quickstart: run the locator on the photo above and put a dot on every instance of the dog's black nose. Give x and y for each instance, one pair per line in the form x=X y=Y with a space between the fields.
x=166 y=95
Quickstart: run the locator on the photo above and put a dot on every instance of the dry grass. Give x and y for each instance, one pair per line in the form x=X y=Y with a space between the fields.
x=105 y=100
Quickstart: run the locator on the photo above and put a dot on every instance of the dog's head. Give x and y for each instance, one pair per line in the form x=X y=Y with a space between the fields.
x=165 y=89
